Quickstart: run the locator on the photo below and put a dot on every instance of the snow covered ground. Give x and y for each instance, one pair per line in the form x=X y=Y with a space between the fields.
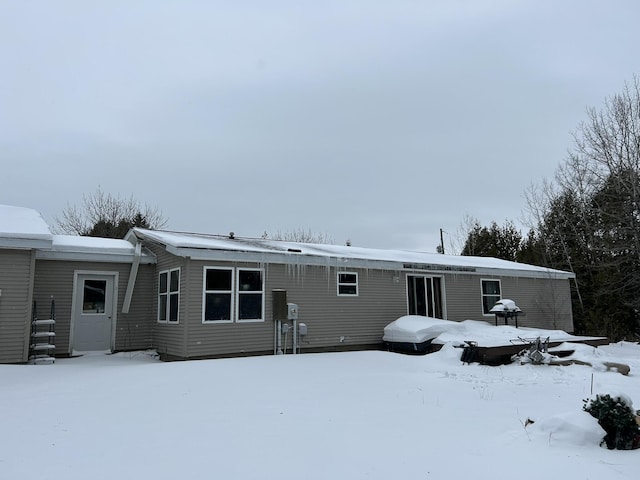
x=361 y=415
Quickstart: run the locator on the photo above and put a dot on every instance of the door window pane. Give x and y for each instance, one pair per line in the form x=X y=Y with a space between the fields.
x=429 y=297
x=417 y=296
x=94 y=296
x=437 y=298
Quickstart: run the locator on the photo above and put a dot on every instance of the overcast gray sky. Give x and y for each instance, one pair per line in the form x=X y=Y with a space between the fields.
x=375 y=121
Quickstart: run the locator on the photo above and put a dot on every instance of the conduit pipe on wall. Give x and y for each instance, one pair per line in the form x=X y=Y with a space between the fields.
x=295 y=337
x=278 y=337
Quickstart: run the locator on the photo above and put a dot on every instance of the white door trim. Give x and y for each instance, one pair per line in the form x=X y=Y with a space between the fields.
x=74 y=300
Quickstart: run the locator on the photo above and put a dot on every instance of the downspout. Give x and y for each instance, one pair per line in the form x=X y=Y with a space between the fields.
x=295 y=337
x=133 y=274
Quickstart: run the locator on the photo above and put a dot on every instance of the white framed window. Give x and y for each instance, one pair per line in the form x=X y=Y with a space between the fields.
x=250 y=295
x=218 y=295
x=347 y=284
x=168 y=295
x=233 y=295
x=491 y=292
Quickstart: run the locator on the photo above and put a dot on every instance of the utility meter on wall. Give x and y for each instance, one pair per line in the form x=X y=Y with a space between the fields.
x=292 y=311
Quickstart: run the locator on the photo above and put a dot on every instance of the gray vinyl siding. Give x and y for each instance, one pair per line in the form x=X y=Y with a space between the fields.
x=463 y=297
x=15 y=304
x=349 y=321
x=134 y=330
x=169 y=338
x=54 y=279
x=545 y=302
x=357 y=320
x=213 y=339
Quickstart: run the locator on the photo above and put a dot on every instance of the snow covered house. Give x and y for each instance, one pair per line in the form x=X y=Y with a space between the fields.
x=89 y=279
x=194 y=296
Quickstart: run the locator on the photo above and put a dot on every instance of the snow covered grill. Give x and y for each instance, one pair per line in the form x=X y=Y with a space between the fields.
x=506 y=309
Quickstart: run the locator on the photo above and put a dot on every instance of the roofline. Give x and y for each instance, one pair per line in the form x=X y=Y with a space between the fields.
x=292 y=257
x=104 y=257
x=22 y=243
x=346 y=262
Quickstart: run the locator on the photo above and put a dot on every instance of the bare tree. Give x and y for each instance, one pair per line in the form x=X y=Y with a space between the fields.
x=457 y=241
x=300 y=235
x=103 y=214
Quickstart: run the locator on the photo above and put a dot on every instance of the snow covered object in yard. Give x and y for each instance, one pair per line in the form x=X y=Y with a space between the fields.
x=506 y=308
x=492 y=345
x=505 y=305
x=419 y=329
x=414 y=333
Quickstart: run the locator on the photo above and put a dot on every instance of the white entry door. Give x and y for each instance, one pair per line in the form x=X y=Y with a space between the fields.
x=93 y=322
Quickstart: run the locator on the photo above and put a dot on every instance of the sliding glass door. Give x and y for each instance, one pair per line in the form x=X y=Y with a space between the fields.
x=424 y=296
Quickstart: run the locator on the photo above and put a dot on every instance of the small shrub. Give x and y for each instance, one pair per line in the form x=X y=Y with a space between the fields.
x=616 y=416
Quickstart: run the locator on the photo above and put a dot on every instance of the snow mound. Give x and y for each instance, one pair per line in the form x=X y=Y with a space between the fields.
x=574 y=428
x=416 y=329
x=419 y=329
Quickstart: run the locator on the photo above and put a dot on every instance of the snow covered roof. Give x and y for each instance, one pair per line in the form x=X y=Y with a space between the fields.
x=23 y=228
x=71 y=247
x=225 y=248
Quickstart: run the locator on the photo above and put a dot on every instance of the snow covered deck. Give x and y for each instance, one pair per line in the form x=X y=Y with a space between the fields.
x=491 y=344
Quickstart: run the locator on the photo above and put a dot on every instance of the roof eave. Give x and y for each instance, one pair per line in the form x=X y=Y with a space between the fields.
x=93 y=257
x=345 y=262
x=17 y=243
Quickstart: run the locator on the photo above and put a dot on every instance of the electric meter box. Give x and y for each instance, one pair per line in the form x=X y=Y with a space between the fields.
x=292 y=311
x=279 y=304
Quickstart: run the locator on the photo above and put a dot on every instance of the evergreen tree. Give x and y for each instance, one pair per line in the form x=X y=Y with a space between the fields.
x=495 y=241
x=589 y=223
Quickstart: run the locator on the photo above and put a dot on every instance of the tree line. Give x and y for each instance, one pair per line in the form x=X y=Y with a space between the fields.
x=587 y=220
